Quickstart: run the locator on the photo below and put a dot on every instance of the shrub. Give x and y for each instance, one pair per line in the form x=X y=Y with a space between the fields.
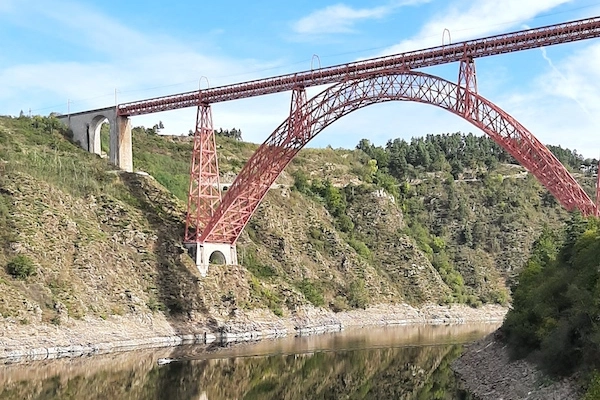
x=21 y=267
x=312 y=292
x=593 y=391
x=360 y=248
x=339 y=304
x=155 y=306
x=357 y=294
x=257 y=268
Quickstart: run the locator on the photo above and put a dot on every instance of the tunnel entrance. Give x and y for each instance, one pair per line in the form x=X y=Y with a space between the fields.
x=217 y=258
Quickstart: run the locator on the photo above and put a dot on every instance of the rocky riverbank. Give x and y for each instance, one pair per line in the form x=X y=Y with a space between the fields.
x=488 y=373
x=74 y=338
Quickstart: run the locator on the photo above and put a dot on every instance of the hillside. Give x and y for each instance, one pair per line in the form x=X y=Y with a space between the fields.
x=555 y=317
x=80 y=239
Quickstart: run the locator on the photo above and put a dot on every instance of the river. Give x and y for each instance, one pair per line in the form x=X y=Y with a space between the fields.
x=401 y=362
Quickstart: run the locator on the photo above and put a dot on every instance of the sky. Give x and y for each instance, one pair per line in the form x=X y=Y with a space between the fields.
x=68 y=56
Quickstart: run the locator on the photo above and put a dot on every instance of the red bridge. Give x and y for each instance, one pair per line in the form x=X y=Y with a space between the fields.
x=215 y=224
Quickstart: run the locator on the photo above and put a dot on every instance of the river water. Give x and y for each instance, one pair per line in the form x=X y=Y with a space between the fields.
x=402 y=362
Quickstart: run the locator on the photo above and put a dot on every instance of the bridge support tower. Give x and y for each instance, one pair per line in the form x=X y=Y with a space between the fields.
x=205 y=196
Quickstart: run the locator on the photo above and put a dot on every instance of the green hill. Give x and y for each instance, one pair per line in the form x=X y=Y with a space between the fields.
x=343 y=229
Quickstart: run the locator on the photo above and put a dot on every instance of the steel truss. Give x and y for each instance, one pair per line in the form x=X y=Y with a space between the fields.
x=204 y=194
x=309 y=119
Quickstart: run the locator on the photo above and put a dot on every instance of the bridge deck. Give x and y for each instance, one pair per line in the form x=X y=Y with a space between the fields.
x=492 y=45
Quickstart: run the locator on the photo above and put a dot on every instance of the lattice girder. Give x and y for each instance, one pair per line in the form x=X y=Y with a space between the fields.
x=265 y=165
x=204 y=194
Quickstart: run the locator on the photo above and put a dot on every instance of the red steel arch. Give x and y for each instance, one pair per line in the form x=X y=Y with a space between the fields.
x=307 y=119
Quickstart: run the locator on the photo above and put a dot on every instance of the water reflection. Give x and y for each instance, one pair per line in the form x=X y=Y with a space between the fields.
x=380 y=363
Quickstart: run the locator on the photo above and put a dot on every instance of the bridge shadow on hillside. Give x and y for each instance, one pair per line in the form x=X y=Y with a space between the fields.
x=178 y=293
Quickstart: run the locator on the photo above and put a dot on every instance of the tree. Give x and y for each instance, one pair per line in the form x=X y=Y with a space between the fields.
x=232 y=133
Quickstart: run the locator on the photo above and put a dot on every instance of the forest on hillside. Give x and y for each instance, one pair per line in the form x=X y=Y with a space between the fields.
x=455 y=153
x=555 y=319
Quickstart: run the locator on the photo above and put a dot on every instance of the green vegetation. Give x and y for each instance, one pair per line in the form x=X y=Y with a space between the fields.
x=343 y=229
x=41 y=149
x=312 y=292
x=357 y=294
x=105 y=138
x=555 y=304
x=455 y=153
x=21 y=267
x=266 y=295
x=258 y=269
x=167 y=161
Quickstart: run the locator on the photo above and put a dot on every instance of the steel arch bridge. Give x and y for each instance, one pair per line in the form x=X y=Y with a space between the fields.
x=215 y=224
x=309 y=118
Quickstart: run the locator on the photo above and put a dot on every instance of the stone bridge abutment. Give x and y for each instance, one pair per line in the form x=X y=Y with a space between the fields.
x=86 y=128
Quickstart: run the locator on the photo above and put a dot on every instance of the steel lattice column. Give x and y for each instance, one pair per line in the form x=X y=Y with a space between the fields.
x=204 y=194
x=299 y=121
x=467 y=83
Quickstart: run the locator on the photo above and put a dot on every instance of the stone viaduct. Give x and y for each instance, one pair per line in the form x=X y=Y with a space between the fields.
x=86 y=132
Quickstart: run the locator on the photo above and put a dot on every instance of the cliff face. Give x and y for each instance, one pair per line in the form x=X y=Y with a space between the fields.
x=94 y=242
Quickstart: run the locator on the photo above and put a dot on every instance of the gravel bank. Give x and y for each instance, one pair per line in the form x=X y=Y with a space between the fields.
x=487 y=372
x=74 y=338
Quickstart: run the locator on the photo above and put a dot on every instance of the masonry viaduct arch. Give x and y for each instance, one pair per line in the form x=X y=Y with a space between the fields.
x=86 y=132
x=309 y=118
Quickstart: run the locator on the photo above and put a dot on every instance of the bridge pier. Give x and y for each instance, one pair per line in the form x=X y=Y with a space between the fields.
x=205 y=254
x=86 y=128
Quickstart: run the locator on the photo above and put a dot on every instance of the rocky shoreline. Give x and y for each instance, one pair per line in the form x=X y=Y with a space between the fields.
x=487 y=372
x=76 y=338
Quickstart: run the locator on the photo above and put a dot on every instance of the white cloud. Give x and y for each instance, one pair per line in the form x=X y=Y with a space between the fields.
x=340 y=18
x=138 y=65
x=467 y=19
x=562 y=106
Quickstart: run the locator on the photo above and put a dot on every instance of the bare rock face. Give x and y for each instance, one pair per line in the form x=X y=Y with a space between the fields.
x=378 y=220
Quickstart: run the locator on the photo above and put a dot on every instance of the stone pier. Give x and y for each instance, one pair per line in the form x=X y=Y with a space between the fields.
x=86 y=132
x=212 y=253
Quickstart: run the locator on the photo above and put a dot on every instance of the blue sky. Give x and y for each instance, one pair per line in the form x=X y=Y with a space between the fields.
x=75 y=54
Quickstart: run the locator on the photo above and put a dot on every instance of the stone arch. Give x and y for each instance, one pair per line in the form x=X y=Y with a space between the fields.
x=86 y=132
x=309 y=119
x=217 y=257
x=94 y=134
